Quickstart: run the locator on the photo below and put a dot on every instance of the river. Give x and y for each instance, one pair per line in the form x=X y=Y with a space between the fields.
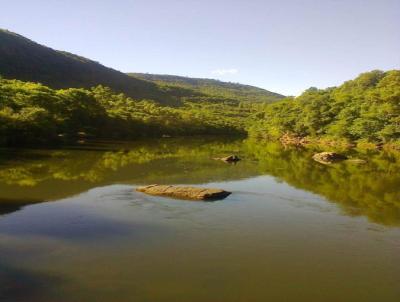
x=73 y=228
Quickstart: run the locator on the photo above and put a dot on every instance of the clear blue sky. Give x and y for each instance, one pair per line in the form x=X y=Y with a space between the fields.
x=281 y=45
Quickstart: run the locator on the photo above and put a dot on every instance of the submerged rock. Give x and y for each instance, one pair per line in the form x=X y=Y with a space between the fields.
x=329 y=157
x=184 y=192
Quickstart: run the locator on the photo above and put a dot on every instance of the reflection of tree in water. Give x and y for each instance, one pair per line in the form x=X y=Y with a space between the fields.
x=371 y=190
x=94 y=165
x=49 y=174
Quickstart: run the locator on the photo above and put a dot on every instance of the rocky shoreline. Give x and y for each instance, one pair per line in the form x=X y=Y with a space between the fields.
x=291 y=140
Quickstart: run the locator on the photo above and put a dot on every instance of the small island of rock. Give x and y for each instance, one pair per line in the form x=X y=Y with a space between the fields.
x=192 y=193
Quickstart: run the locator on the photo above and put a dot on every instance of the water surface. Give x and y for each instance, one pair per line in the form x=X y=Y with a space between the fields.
x=72 y=228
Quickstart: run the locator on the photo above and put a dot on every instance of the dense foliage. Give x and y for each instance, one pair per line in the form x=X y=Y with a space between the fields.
x=34 y=113
x=366 y=108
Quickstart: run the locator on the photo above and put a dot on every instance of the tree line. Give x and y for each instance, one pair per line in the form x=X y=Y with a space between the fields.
x=364 y=109
x=31 y=113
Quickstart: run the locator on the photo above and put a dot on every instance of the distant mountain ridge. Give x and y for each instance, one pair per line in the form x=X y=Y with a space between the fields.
x=215 y=87
x=26 y=60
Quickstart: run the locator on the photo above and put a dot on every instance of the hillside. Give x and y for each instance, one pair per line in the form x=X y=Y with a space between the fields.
x=23 y=59
x=211 y=87
x=26 y=60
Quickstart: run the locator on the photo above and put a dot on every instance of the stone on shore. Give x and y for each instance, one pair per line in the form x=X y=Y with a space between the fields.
x=192 y=193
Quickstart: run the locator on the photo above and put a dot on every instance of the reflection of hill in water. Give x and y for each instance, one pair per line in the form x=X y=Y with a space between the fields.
x=371 y=190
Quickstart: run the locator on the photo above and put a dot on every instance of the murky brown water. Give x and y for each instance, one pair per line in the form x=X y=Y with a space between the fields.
x=73 y=229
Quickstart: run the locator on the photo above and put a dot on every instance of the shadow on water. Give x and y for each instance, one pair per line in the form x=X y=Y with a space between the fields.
x=22 y=285
x=370 y=190
x=10 y=205
x=70 y=220
x=54 y=224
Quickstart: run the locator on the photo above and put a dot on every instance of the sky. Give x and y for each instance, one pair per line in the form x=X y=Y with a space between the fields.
x=284 y=46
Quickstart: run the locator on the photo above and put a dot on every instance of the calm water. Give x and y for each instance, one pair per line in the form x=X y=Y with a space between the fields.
x=73 y=229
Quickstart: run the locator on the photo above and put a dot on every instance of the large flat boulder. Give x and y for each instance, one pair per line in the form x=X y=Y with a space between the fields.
x=192 y=193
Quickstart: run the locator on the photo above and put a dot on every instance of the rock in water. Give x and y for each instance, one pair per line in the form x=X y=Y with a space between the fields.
x=184 y=192
x=229 y=159
x=328 y=157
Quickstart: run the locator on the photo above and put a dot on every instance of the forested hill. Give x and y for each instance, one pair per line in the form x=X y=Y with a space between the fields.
x=26 y=60
x=212 y=87
x=23 y=59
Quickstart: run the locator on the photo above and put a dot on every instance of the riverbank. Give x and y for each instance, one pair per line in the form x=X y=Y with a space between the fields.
x=319 y=142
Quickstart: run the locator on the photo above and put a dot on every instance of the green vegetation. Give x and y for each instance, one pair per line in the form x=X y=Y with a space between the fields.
x=31 y=113
x=364 y=109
